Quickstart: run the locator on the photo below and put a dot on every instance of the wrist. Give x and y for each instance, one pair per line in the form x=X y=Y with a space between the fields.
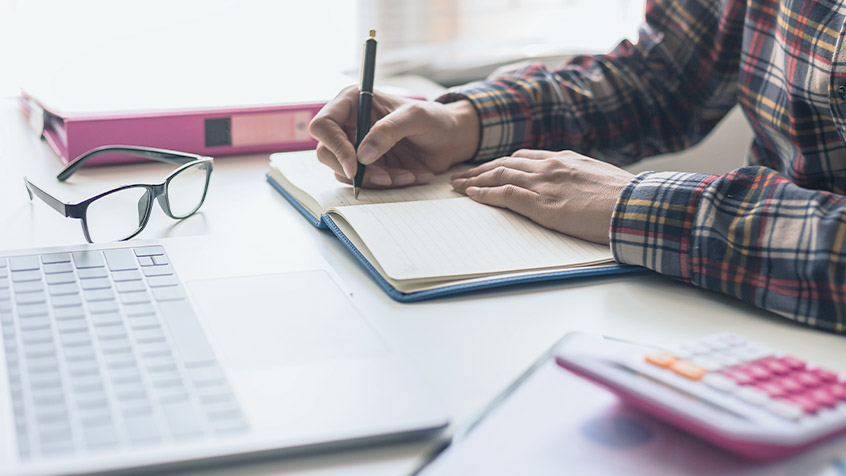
x=466 y=130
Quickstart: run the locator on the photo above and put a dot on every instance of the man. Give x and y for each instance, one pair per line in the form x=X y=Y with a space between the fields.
x=772 y=234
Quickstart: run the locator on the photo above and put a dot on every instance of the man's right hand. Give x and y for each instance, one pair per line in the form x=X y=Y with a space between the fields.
x=410 y=140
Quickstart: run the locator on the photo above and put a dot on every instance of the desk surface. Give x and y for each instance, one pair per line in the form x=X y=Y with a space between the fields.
x=468 y=347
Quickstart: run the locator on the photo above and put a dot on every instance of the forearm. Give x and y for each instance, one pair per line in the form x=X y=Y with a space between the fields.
x=750 y=234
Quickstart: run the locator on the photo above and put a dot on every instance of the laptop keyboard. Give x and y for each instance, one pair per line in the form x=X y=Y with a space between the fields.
x=104 y=351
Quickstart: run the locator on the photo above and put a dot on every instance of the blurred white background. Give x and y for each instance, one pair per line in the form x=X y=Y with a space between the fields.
x=449 y=40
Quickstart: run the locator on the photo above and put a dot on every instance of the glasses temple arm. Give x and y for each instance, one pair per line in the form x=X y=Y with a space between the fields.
x=162 y=155
x=54 y=203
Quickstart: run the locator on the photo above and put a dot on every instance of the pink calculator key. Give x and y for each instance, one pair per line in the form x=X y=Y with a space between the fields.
x=776 y=366
x=773 y=389
x=790 y=384
x=838 y=390
x=827 y=376
x=808 y=379
x=823 y=397
x=740 y=376
x=792 y=362
x=759 y=372
x=808 y=404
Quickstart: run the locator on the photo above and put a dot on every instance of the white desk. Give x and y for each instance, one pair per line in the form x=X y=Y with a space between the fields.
x=468 y=347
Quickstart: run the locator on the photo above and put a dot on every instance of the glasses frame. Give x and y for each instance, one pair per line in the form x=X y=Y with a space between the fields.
x=156 y=192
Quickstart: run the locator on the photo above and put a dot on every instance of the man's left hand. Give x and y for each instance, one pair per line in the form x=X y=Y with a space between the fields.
x=563 y=191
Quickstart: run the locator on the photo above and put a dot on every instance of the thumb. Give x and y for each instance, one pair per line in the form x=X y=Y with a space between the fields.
x=405 y=121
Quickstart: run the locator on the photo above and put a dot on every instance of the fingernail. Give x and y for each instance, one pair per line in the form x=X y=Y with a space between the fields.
x=349 y=170
x=457 y=183
x=367 y=154
x=471 y=190
x=382 y=180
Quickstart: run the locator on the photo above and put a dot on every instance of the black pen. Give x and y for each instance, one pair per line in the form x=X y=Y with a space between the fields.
x=365 y=99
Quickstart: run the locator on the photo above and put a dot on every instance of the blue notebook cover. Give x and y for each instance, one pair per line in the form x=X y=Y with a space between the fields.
x=326 y=222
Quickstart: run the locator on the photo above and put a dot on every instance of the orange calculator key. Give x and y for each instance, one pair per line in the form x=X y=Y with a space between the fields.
x=687 y=369
x=661 y=359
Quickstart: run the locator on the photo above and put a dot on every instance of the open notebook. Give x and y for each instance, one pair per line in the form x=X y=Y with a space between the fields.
x=428 y=240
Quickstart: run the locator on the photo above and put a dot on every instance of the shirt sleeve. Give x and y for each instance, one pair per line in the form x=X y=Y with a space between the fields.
x=662 y=94
x=750 y=233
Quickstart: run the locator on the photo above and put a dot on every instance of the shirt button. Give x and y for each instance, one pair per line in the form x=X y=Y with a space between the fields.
x=841 y=91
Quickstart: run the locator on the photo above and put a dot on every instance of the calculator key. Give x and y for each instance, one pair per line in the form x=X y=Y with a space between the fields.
x=808 y=379
x=792 y=362
x=661 y=359
x=753 y=396
x=776 y=366
x=822 y=397
x=773 y=389
x=709 y=364
x=785 y=409
x=826 y=376
x=687 y=369
x=720 y=382
x=791 y=384
x=740 y=376
x=838 y=390
x=759 y=372
x=808 y=404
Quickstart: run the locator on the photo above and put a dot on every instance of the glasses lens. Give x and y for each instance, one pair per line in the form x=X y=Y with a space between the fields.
x=186 y=190
x=118 y=215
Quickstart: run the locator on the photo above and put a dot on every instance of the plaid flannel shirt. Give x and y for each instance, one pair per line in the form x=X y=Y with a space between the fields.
x=771 y=233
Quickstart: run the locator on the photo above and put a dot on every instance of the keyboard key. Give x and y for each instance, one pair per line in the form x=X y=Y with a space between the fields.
x=149 y=251
x=96 y=283
x=149 y=321
x=100 y=435
x=168 y=293
x=838 y=390
x=773 y=389
x=63 y=289
x=53 y=268
x=67 y=300
x=60 y=278
x=140 y=309
x=154 y=270
x=128 y=275
x=158 y=281
x=130 y=286
x=753 y=396
x=99 y=295
x=106 y=319
x=110 y=332
x=134 y=298
x=183 y=419
x=141 y=427
x=31 y=310
x=29 y=286
x=687 y=369
x=145 y=261
x=808 y=379
x=24 y=263
x=785 y=409
x=823 y=397
x=31 y=298
x=88 y=259
x=72 y=325
x=807 y=404
x=149 y=335
x=825 y=376
x=792 y=362
x=102 y=306
x=160 y=260
x=120 y=259
x=70 y=312
x=56 y=258
x=92 y=273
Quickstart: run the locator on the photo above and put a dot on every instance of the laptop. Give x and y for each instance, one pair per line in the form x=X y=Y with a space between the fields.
x=124 y=356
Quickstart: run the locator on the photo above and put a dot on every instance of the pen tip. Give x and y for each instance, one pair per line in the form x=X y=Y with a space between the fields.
x=355 y=191
x=372 y=33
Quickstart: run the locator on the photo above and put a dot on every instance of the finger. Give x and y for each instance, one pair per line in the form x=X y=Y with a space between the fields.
x=534 y=154
x=512 y=197
x=327 y=157
x=328 y=128
x=405 y=121
x=499 y=176
x=516 y=163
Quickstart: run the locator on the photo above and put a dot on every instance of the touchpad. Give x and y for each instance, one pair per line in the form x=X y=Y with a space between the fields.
x=280 y=319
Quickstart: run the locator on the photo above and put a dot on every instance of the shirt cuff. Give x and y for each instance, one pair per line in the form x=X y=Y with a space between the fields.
x=504 y=118
x=653 y=221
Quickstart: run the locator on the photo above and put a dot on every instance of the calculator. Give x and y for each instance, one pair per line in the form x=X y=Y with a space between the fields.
x=737 y=394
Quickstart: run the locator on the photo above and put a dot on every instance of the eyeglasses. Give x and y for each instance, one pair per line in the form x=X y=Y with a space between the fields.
x=121 y=213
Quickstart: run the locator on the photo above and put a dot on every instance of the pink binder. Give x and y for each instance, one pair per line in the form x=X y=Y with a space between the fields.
x=254 y=117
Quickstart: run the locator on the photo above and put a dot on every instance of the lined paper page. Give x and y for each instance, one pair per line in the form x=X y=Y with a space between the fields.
x=459 y=237
x=303 y=171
